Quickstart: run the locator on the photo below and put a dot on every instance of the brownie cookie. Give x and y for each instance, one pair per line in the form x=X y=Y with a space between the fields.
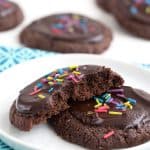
x=49 y=95
x=105 y=4
x=119 y=118
x=10 y=15
x=134 y=15
x=67 y=33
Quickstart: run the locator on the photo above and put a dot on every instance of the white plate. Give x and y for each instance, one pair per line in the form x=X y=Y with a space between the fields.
x=41 y=136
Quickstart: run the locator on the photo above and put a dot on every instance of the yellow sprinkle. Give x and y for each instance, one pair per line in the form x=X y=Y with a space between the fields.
x=98 y=105
x=76 y=17
x=90 y=112
x=127 y=104
x=51 y=83
x=147 y=10
x=59 y=80
x=50 y=78
x=77 y=72
x=63 y=75
x=73 y=67
x=41 y=96
x=97 y=101
x=115 y=113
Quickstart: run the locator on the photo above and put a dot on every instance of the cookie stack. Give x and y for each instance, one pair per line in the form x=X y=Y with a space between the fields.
x=87 y=105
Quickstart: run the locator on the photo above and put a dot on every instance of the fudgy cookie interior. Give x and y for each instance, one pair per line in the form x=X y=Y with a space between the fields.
x=112 y=120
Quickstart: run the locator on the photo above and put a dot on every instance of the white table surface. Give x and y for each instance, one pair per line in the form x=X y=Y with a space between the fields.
x=124 y=47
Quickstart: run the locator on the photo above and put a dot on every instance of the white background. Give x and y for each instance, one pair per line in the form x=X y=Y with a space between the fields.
x=124 y=47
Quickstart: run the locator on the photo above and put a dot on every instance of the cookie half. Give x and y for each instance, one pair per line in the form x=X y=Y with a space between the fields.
x=67 y=33
x=105 y=4
x=49 y=95
x=10 y=15
x=134 y=16
x=122 y=121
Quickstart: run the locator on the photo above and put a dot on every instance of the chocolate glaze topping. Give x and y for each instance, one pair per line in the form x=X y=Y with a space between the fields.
x=90 y=75
x=140 y=114
x=6 y=8
x=70 y=27
x=137 y=11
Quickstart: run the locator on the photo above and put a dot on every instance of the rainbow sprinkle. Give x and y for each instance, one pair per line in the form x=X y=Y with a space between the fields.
x=69 y=24
x=119 y=104
x=109 y=134
x=138 y=5
x=56 y=78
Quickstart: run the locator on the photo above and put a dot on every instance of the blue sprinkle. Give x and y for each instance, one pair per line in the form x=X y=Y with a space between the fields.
x=50 y=90
x=58 y=26
x=105 y=96
x=132 y=101
x=66 y=69
x=39 y=85
x=147 y=2
x=60 y=71
x=122 y=108
x=120 y=105
x=101 y=100
x=133 y=10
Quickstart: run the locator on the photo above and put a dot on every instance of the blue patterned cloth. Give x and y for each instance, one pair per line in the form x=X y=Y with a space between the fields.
x=12 y=56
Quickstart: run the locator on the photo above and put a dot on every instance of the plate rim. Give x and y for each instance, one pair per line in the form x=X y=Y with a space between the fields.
x=17 y=141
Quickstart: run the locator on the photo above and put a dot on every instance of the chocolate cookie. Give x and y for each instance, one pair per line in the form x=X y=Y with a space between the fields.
x=134 y=15
x=67 y=33
x=49 y=95
x=119 y=118
x=105 y=4
x=10 y=15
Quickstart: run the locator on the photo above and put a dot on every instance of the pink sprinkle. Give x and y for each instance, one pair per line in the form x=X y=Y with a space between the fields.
x=35 y=92
x=56 y=31
x=73 y=78
x=108 y=134
x=44 y=80
x=101 y=110
x=70 y=76
x=103 y=107
x=35 y=88
x=57 y=75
